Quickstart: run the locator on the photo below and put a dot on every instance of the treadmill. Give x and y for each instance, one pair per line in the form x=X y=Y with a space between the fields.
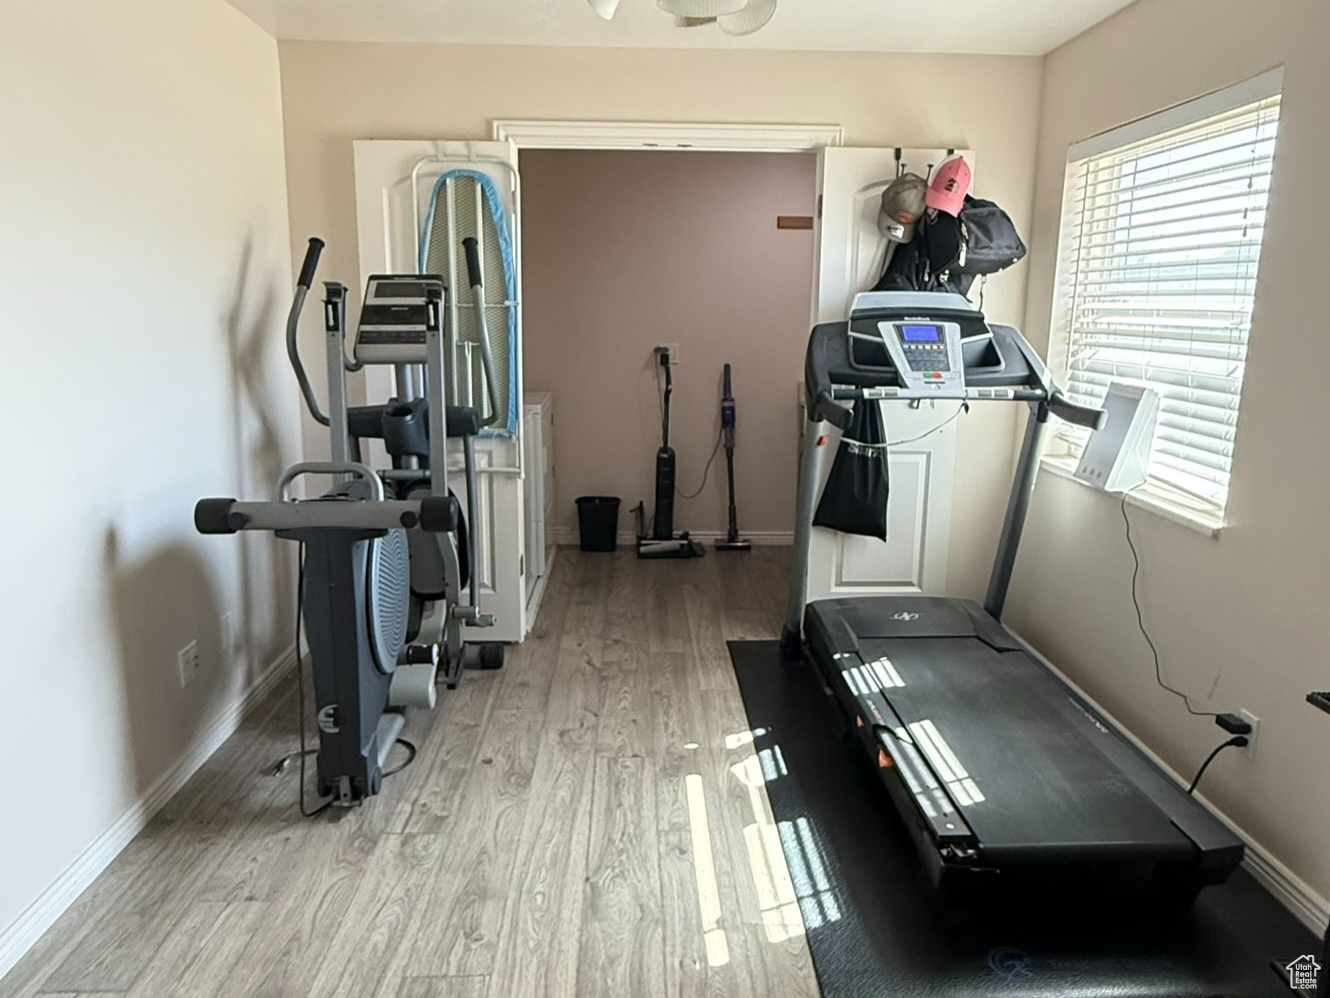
x=1003 y=775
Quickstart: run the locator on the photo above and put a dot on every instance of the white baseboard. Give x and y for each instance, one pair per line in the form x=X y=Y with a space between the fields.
x=568 y=537
x=1291 y=891
x=1310 y=908
x=39 y=916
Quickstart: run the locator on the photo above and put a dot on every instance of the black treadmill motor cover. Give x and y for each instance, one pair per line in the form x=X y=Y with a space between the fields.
x=842 y=623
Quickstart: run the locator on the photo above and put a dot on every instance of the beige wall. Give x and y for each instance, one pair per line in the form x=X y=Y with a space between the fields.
x=624 y=250
x=143 y=229
x=1249 y=607
x=334 y=93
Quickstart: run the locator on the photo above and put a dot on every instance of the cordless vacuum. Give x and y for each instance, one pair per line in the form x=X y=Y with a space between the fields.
x=732 y=541
x=662 y=543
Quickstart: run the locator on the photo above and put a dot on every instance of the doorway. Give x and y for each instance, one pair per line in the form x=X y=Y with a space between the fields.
x=711 y=252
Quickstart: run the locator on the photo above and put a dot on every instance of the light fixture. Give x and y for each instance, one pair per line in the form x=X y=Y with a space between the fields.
x=734 y=17
x=753 y=17
x=605 y=8
x=701 y=8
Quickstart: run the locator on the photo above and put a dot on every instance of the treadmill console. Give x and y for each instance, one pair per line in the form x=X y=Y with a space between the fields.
x=400 y=312
x=926 y=354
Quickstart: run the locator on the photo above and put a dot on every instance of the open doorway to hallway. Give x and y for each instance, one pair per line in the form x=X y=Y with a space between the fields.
x=624 y=250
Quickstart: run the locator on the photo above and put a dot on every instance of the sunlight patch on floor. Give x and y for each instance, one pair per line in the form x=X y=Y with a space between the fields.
x=714 y=940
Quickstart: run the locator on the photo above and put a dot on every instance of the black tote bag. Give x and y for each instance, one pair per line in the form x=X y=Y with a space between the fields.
x=854 y=500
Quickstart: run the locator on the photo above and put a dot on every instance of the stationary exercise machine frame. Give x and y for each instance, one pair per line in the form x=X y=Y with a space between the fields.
x=381 y=576
x=1001 y=772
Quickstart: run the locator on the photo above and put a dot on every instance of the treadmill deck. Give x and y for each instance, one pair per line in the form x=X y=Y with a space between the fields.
x=980 y=728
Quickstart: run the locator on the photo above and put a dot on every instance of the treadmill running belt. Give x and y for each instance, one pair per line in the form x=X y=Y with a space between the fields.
x=876 y=930
x=995 y=726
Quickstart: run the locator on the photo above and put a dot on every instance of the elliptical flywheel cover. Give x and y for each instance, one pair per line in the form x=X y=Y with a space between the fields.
x=387 y=597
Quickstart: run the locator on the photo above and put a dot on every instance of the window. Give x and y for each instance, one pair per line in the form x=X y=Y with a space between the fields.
x=1161 y=241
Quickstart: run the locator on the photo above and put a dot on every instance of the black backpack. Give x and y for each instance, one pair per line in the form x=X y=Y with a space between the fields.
x=990 y=239
x=982 y=240
x=928 y=262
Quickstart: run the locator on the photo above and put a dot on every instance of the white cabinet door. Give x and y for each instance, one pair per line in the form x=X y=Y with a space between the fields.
x=393 y=183
x=849 y=254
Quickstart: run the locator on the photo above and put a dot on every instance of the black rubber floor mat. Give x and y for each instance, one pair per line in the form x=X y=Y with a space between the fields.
x=875 y=930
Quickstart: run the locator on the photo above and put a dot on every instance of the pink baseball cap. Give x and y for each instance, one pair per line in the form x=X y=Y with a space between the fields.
x=950 y=183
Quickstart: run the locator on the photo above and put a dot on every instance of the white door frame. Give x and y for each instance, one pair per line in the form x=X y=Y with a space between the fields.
x=664 y=136
x=524 y=133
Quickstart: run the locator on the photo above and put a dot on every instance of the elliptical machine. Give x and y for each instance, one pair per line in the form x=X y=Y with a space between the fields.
x=381 y=574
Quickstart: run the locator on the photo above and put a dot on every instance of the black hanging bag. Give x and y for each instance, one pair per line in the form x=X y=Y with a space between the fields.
x=931 y=260
x=854 y=500
x=991 y=240
x=947 y=254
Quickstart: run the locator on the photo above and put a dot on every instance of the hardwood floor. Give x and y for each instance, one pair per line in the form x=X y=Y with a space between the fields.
x=587 y=822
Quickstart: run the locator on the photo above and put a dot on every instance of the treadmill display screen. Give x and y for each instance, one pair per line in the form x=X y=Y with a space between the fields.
x=399 y=289
x=921 y=334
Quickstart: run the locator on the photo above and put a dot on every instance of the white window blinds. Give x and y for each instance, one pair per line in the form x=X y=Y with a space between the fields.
x=1156 y=276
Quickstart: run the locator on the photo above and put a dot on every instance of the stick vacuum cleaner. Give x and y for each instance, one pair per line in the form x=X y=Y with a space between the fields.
x=662 y=543
x=732 y=541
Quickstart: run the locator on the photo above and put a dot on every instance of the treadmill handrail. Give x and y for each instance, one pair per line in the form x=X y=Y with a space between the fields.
x=826 y=390
x=829 y=409
x=994 y=394
x=831 y=383
x=1075 y=413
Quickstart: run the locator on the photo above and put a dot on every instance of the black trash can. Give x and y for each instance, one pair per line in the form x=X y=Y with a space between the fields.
x=598 y=522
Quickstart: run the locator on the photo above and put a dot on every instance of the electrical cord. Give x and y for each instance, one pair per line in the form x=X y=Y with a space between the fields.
x=660 y=393
x=410 y=758
x=1237 y=741
x=300 y=692
x=1140 y=623
x=963 y=407
x=706 y=472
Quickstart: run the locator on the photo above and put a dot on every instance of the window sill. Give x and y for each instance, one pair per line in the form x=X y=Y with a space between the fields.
x=1152 y=497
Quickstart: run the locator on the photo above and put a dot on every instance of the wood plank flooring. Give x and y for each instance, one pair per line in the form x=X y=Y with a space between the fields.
x=585 y=823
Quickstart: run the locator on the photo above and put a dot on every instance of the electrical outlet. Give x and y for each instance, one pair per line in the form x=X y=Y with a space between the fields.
x=1255 y=722
x=189 y=663
x=670 y=350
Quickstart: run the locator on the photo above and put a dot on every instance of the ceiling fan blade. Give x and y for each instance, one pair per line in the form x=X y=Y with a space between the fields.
x=605 y=8
x=752 y=18
x=693 y=22
x=701 y=8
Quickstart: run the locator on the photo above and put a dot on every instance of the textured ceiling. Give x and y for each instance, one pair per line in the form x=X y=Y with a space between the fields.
x=1018 y=27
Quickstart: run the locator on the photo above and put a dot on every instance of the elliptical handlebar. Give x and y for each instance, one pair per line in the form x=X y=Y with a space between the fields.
x=311 y=264
x=475 y=278
x=472 y=250
x=361 y=471
x=303 y=283
x=436 y=514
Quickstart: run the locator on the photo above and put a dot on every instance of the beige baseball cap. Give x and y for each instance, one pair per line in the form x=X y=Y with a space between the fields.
x=902 y=204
